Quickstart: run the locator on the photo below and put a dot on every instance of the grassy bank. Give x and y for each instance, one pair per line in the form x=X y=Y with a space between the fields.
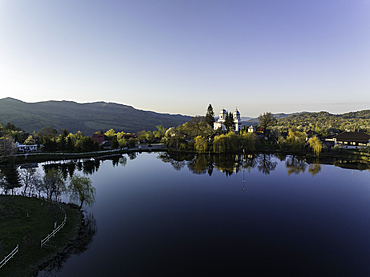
x=25 y=221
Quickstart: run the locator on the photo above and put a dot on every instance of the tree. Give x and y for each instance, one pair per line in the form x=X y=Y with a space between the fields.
x=81 y=190
x=197 y=126
x=229 y=121
x=11 y=178
x=49 y=132
x=122 y=142
x=296 y=140
x=53 y=184
x=110 y=133
x=200 y=144
x=266 y=120
x=29 y=140
x=29 y=178
x=316 y=145
x=114 y=144
x=161 y=131
x=210 y=116
x=131 y=142
x=7 y=148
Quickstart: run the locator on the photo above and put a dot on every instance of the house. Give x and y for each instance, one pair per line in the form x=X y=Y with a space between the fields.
x=310 y=134
x=352 y=140
x=26 y=148
x=100 y=138
x=251 y=129
x=220 y=123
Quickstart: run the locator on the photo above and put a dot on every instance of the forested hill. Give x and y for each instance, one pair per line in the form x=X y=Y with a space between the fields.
x=87 y=118
x=351 y=121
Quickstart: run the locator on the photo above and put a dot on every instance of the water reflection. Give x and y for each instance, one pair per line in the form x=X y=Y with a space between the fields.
x=85 y=236
x=206 y=163
x=295 y=164
x=265 y=164
x=314 y=168
x=225 y=163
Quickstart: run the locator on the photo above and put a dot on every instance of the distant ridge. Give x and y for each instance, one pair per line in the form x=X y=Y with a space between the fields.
x=85 y=117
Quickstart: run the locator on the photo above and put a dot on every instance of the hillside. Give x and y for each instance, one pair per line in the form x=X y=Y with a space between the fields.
x=254 y=121
x=87 y=118
x=351 y=121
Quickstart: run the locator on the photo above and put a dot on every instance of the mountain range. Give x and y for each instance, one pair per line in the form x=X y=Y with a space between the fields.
x=91 y=117
x=87 y=117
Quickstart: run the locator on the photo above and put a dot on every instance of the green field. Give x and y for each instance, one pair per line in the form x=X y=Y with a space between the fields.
x=25 y=221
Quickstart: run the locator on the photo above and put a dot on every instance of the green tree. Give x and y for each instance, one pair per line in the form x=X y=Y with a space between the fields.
x=161 y=131
x=81 y=190
x=110 y=133
x=11 y=178
x=220 y=144
x=141 y=135
x=53 y=184
x=197 y=126
x=48 y=131
x=50 y=145
x=266 y=120
x=131 y=142
x=200 y=144
x=114 y=142
x=316 y=145
x=210 y=116
x=296 y=140
x=122 y=142
x=29 y=140
x=229 y=122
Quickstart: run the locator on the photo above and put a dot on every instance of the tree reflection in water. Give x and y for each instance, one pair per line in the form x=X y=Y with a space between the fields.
x=314 y=168
x=295 y=164
x=265 y=165
x=205 y=163
x=86 y=233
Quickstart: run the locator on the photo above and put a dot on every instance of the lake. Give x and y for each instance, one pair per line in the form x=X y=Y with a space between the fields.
x=257 y=215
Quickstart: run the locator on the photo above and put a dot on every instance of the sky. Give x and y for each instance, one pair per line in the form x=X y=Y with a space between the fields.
x=179 y=56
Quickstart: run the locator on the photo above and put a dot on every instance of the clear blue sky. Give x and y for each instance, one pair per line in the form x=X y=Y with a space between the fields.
x=179 y=56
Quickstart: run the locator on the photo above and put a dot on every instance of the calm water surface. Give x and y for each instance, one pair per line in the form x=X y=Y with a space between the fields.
x=158 y=218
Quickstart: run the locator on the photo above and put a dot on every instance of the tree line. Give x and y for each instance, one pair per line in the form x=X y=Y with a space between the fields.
x=199 y=135
x=52 y=185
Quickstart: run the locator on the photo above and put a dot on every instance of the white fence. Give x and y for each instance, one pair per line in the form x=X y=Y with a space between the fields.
x=7 y=258
x=52 y=234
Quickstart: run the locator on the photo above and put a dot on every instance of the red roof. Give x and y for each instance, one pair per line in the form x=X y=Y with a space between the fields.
x=99 y=137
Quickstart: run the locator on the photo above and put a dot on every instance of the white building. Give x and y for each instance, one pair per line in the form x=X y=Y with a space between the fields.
x=220 y=123
x=251 y=129
x=26 y=148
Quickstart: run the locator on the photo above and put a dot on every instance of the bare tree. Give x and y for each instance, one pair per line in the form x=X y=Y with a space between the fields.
x=53 y=184
x=29 y=179
x=7 y=148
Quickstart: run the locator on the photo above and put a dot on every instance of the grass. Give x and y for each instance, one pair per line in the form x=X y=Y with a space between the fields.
x=25 y=221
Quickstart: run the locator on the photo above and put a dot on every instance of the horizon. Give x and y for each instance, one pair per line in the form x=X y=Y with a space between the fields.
x=216 y=113
x=178 y=57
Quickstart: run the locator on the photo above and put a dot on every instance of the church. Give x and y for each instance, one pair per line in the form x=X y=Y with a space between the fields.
x=221 y=120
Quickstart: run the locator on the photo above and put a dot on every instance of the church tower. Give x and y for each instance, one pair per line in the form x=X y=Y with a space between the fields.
x=237 y=120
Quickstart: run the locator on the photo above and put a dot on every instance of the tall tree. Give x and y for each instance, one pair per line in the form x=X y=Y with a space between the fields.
x=210 y=116
x=315 y=144
x=7 y=148
x=200 y=144
x=11 y=179
x=53 y=184
x=81 y=190
x=229 y=122
x=266 y=120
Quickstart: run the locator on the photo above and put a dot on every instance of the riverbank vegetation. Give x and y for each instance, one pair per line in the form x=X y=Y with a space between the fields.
x=303 y=132
x=25 y=221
